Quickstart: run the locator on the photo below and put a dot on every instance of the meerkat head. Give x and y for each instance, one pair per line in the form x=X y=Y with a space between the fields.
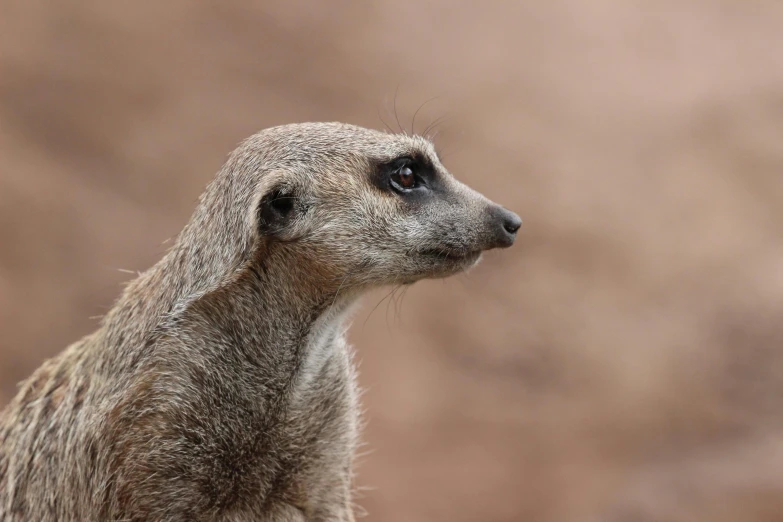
x=366 y=208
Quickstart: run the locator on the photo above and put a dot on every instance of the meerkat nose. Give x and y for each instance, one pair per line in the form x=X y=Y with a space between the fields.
x=512 y=222
x=505 y=225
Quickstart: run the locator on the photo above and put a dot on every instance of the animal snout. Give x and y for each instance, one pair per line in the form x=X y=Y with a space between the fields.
x=503 y=225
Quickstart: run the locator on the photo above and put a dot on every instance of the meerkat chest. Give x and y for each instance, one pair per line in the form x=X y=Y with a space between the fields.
x=322 y=346
x=324 y=389
x=324 y=351
x=322 y=420
x=253 y=439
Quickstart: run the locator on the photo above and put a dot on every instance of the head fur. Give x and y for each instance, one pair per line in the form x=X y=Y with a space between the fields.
x=323 y=196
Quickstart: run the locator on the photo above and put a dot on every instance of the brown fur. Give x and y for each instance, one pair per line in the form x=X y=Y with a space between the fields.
x=220 y=387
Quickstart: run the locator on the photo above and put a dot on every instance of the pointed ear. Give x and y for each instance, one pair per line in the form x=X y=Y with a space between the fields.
x=276 y=210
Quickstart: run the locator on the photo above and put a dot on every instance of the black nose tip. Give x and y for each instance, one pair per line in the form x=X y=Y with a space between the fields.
x=505 y=224
x=511 y=223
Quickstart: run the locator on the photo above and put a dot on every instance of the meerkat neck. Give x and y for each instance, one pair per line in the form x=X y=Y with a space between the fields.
x=279 y=295
x=207 y=251
x=295 y=287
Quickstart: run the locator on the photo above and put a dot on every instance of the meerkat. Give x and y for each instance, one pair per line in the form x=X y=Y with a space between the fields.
x=220 y=386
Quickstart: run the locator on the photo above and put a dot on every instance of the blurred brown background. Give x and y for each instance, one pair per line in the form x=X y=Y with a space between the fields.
x=623 y=362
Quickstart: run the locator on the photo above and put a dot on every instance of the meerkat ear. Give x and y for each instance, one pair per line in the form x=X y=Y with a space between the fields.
x=275 y=210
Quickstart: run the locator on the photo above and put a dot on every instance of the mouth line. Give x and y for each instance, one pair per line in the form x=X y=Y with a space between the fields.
x=450 y=255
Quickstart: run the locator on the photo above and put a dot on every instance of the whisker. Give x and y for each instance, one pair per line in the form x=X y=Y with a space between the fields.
x=395 y=109
x=337 y=293
x=413 y=123
x=399 y=303
x=433 y=125
x=383 y=121
x=386 y=315
x=376 y=307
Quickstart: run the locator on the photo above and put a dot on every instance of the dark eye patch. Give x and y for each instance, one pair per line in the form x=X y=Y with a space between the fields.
x=405 y=175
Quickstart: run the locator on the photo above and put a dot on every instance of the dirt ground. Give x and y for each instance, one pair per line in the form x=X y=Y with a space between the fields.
x=622 y=363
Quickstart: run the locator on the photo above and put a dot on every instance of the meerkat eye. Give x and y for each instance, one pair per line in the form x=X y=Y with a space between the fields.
x=403 y=179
